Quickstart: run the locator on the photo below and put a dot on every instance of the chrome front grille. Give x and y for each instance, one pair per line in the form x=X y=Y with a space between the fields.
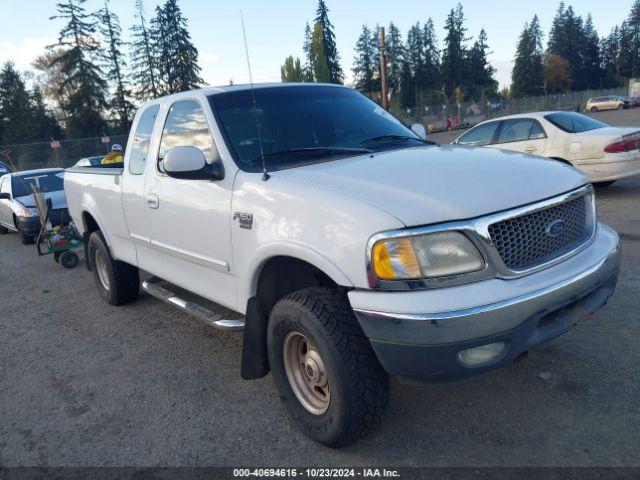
x=539 y=237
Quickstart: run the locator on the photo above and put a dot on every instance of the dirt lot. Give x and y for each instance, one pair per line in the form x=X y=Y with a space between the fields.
x=86 y=384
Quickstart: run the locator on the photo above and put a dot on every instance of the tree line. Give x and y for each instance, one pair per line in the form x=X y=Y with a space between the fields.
x=91 y=76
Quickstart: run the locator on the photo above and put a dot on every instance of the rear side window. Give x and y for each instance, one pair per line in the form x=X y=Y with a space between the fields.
x=537 y=131
x=142 y=139
x=479 y=136
x=187 y=126
x=515 y=130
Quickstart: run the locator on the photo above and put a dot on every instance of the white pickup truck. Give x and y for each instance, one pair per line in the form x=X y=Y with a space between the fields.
x=345 y=246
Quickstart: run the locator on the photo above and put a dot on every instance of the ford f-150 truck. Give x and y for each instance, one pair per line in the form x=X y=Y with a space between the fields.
x=346 y=246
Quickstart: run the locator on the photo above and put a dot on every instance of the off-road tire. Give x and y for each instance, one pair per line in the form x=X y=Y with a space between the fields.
x=359 y=386
x=123 y=279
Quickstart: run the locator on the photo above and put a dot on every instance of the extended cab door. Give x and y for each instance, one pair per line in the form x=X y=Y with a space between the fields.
x=189 y=220
x=522 y=135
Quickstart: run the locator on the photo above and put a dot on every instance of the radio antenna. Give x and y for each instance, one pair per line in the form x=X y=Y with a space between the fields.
x=265 y=175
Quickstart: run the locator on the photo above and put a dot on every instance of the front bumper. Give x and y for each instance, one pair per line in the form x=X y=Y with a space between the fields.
x=30 y=226
x=522 y=312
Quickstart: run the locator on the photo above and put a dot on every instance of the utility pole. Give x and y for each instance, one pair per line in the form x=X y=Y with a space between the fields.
x=383 y=70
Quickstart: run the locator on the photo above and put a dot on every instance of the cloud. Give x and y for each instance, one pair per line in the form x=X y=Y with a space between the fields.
x=25 y=51
x=503 y=71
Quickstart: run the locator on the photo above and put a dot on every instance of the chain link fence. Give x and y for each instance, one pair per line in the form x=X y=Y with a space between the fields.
x=43 y=154
x=438 y=117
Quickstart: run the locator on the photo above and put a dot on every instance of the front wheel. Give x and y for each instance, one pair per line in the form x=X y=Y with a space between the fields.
x=118 y=282
x=620 y=107
x=324 y=368
x=594 y=109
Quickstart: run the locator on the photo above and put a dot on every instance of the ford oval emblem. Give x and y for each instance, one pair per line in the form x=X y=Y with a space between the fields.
x=556 y=228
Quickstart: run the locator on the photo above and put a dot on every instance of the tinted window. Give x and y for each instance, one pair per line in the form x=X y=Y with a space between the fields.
x=22 y=185
x=301 y=117
x=141 y=140
x=186 y=126
x=479 y=136
x=515 y=130
x=537 y=131
x=572 y=122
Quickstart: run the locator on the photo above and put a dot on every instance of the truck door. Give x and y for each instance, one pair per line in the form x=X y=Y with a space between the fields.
x=133 y=183
x=189 y=220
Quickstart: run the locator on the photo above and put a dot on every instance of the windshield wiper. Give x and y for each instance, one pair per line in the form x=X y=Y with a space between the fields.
x=395 y=138
x=311 y=151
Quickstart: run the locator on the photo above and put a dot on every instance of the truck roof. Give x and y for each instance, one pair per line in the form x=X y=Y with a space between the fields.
x=234 y=88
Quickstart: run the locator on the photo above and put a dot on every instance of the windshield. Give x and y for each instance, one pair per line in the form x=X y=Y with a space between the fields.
x=302 y=124
x=22 y=185
x=572 y=122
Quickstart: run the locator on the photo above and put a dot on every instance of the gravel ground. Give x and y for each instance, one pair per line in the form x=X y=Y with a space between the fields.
x=86 y=384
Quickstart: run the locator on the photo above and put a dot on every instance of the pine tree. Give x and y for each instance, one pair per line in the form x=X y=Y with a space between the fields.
x=454 y=52
x=319 y=65
x=626 y=58
x=176 y=54
x=291 y=71
x=329 y=43
x=633 y=33
x=395 y=57
x=609 y=58
x=565 y=40
x=415 y=61
x=590 y=56
x=431 y=73
x=15 y=107
x=143 y=62
x=479 y=79
x=46 y=126
x=79 y=51
x=365 y=64
x=119 y=104
x=307 y=70
x=526 y=76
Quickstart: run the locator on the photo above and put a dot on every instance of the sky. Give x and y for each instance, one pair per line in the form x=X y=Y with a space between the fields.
x=275 y=28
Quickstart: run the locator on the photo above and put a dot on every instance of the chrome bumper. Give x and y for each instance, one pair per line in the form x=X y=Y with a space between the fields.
x=583 y=284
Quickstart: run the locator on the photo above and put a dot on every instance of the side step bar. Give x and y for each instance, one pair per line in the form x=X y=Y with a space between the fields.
x=212 y=318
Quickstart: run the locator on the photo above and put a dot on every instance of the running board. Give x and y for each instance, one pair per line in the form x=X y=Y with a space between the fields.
x=212 y=318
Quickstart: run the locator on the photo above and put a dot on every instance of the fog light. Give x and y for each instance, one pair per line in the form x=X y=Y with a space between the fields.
x=478 y=356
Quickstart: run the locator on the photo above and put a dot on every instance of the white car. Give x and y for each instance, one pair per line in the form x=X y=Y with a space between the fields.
x=347 y=247
x=603 y=152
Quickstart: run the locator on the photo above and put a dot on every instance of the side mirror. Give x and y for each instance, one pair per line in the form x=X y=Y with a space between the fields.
x=5 y=196
x=419 y=130
x=189 y=163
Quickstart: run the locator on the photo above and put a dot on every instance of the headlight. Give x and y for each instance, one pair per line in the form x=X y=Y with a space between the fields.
x=29 y=212
x=431 y=255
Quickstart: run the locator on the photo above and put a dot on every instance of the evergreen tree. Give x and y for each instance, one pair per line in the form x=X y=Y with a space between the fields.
x=454 y=52
x=365 y=64
x=609 y=58
x=307 y=70
x=120 y=106
x=590 y=56
x=291 y=71
x=430 y=75
x=479 y=72
x=415 y=62
x=395 y=57
x=329 y=43
x=46 y=126
x=83 y=79
x=143 y=63
x=626 y=58
x=526 y=76
x=176 y=54
x=15 y=107
x=565 y=40
x=633 y=34
x=319 y=65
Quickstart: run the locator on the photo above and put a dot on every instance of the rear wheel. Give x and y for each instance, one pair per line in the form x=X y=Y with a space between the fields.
x=594 y=109
x=620 y=107
x=69 y=259
x=118 y=282
x=324 y=368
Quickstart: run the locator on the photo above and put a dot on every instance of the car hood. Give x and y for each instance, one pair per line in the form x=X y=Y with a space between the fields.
x=58 y=199
x=427 y=185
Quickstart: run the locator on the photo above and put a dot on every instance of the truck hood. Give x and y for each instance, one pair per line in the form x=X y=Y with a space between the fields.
x=58 y=199
x=427 y=185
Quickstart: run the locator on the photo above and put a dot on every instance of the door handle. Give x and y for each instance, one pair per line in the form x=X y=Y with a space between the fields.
x=153 y=201
x=530 y=149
